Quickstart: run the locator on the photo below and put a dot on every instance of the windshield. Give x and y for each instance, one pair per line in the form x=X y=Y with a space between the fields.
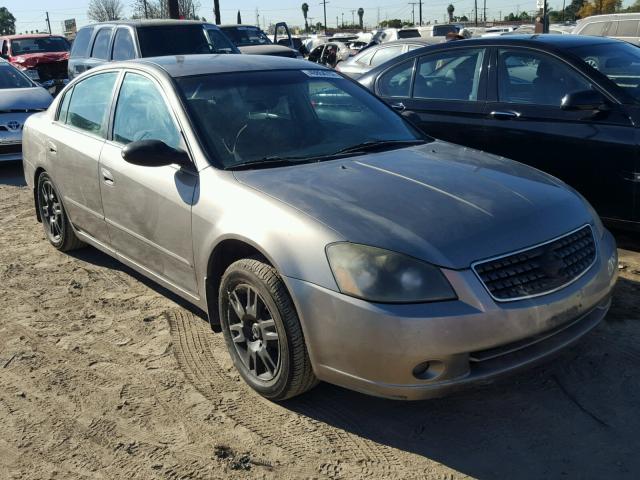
x=22 y=46
x=408 y=34
x=299 y=114
x=10 y=77
x=181 y=40
x=619 y=61
x=244 y=36
x=442 y=30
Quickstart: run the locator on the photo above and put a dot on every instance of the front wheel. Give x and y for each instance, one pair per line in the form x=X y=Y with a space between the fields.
x=55 y=221
x=262 y=331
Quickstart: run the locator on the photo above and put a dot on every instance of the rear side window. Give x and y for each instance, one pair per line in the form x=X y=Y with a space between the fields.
x=397 y=81
x=453 y=75
x=123 y=48
x=101 y=44
x=408 y=34
x=385 y=54
x=90 y=102
x=595 y=28
x=627 y=28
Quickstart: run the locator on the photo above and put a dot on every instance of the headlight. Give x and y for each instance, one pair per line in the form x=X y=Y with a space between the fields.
x=378 y=275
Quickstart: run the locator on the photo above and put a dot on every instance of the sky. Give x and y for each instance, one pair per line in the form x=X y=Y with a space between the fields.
x=30 y=14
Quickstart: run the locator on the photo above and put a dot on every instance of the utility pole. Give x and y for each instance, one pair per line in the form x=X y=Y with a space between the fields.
x=563 y=7
x=257 y=18
x=353 y=18
x=324 y=6
x=420 y=11
x=48 y=23
x=476 y=11
x=413 y=12
x=337 y=22
x=485 y=13
x=342 y=19
x=174 y=9
x=545 y=24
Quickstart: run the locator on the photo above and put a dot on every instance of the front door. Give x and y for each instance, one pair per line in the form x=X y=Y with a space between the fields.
x=445 y=92
x=594 y=152
x=148 y=209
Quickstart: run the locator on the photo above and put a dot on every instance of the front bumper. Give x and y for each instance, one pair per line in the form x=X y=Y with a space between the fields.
x=422 y=351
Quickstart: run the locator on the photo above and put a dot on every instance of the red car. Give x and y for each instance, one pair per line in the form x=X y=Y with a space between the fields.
x=41 y=57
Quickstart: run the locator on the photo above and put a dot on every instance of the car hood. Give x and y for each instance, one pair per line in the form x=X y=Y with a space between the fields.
x=36 y=98
x=278 y=50
x=32 y=60
x=445 y=204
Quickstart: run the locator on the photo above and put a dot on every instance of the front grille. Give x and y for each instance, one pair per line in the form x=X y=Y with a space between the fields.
x=540 y=269
x=10 y=148
x=52 y=71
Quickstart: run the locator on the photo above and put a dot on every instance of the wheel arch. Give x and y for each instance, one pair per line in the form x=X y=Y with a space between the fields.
x=224 y=253
x=36 y=176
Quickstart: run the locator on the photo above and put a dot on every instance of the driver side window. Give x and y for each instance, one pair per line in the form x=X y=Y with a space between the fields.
x=142 y=114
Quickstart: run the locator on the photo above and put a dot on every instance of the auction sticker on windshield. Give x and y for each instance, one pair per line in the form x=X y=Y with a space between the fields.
x=321 y=74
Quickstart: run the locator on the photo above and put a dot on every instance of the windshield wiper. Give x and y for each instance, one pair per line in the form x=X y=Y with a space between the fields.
x=265 y=162
x=377 y=145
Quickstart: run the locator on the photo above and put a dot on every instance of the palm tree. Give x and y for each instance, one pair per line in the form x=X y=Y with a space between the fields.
x=305 y=11
x=450 y=10
x=360 y=15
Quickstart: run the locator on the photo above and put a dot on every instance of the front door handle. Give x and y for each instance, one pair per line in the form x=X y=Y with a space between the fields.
x=504 y=114
x=398 y=106
x=106 y=176
x=52 y=147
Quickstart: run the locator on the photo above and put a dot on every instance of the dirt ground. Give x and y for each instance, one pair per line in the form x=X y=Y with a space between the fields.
x=103 y=374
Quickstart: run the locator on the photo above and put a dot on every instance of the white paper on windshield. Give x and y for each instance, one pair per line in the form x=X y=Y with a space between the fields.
x=321 y=74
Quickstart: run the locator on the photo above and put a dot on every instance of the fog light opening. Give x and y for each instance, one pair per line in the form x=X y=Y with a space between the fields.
x=429 y=370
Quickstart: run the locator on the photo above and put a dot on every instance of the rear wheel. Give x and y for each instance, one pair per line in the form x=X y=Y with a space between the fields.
x=55 y=221
x=262 y=331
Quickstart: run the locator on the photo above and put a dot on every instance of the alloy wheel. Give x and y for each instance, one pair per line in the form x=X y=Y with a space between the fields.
x=254 y=333
x=51 y=211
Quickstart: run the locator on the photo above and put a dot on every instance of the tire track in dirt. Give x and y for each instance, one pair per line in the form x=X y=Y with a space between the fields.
x=195 y=347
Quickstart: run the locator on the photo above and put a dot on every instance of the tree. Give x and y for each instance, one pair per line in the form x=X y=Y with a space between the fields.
x=633 y=8
x=305 y=12
x=393 y=23
x=360 y=15
x=7 y=22
x=104 y=10
x=598 y=7
x=463 y=18
x=450 y=10
x=159 y=9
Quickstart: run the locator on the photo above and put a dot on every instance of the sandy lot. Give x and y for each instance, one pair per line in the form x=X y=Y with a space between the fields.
x=105 y=375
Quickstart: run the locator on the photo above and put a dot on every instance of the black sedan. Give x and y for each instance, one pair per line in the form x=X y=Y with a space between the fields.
x=568 y=105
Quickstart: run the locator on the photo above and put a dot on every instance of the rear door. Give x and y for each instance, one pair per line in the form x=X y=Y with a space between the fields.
x=445 y=90
x=77 y=137
x=148 y=209
x=101 y=48
x=594 y=152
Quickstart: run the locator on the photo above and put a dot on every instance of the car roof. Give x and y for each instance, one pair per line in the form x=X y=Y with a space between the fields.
x=233 y=25
x=141 y=23
x=188 y=65
x=551 y=40
x=30 y=35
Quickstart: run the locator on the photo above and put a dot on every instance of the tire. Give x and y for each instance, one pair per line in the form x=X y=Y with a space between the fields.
x=56 y=224
x=250 y=324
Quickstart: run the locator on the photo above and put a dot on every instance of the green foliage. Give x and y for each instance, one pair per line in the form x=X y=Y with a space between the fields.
x=7 y=22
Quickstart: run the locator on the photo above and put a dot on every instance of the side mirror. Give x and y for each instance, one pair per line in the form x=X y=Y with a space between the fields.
x=154 y=153
x=584 y=100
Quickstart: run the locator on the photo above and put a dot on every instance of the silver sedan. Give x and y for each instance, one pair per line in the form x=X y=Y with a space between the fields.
x=20 y=97
x=322 y=233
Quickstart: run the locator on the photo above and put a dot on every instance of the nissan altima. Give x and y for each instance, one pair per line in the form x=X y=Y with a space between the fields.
x=377 y=258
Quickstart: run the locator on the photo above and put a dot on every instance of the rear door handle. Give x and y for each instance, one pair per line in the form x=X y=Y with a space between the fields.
x=398 y=106
x=106 y=176
x=504 y=114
